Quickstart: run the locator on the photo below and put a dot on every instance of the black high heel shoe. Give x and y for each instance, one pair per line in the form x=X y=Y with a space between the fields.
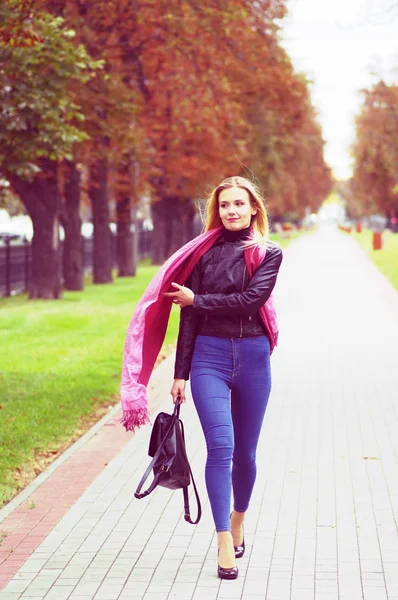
x=240 y=550
x=223 y=573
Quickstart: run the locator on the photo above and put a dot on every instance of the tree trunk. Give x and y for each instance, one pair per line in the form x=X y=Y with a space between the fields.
x=124 y=238
x=173 y=223
x=159 y=237
x=73 y=243
x=42 y=201
x=136 y=239
x=182 y=229
x=102 y=271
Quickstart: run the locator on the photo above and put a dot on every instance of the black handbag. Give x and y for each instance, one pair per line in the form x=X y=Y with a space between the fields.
x=170 y=465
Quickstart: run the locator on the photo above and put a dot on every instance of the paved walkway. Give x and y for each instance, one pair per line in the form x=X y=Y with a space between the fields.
x=323 y=520
x=27 y=520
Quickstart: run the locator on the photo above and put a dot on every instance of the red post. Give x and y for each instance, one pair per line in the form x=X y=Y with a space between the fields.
x=377 y=240
x=358 y=227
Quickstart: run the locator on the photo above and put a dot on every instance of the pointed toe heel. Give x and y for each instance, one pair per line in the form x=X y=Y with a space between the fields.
x=240 y=550
x=227 y=573
x=231 y=573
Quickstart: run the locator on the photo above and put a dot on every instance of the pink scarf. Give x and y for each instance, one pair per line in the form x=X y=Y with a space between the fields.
x=148 y=325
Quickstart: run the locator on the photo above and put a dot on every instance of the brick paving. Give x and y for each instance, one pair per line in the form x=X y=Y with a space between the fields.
x=323 y=519
x=30 y=517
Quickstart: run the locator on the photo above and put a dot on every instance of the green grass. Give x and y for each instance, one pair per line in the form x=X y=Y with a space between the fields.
x=60 y=368
x=385 y=259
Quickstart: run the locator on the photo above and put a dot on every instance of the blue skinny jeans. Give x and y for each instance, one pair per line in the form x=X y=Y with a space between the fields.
x=230 y=384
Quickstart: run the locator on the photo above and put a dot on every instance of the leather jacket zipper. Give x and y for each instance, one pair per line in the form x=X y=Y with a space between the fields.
x=243 y=289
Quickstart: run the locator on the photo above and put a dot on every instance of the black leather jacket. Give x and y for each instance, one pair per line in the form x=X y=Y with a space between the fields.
x=226 y=301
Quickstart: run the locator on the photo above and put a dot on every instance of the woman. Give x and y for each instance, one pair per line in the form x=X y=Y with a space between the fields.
x=224 y=345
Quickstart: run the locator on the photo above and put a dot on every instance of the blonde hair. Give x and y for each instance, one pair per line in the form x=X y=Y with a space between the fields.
x=259 y=221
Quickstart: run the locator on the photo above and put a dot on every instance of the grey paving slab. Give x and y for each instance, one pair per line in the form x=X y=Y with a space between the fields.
x=323 y=518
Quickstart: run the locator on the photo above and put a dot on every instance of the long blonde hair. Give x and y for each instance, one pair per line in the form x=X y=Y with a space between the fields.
x=259 y=221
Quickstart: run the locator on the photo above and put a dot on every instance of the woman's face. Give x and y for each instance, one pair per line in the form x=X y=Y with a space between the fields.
x=235 y=209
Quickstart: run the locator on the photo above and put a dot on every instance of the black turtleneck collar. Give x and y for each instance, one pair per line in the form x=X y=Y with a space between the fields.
x=236 y=236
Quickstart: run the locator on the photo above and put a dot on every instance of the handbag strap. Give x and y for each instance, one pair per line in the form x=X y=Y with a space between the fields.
x=154 y=483
x=187 y=512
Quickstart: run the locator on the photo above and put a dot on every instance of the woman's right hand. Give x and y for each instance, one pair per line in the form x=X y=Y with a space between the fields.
x=178 y=390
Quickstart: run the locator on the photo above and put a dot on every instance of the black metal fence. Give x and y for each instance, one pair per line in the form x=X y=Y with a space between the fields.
x=15 y=260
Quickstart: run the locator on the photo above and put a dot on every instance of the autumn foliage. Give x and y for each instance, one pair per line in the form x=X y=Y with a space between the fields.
x=187 y=93
x=374 y=185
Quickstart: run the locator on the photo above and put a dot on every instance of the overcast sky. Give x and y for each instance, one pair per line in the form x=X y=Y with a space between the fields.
x=337 y=43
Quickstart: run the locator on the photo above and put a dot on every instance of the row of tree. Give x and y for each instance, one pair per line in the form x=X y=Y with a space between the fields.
x=111 y=99
x=373 y=187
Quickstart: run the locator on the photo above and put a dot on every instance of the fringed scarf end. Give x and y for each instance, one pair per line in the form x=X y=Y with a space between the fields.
x=132 y=419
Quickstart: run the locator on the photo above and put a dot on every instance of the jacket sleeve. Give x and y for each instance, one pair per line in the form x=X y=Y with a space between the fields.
x=245 y=303
x=189 y=321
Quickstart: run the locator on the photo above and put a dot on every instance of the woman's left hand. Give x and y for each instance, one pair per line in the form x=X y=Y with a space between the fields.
x=182 y=297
